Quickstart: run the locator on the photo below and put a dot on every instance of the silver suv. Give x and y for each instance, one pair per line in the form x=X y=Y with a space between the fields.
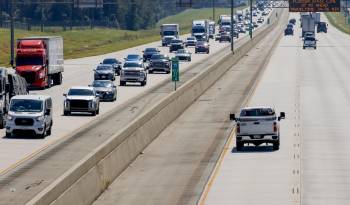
x=81 y=99
x=29 y=113
x=133 y=71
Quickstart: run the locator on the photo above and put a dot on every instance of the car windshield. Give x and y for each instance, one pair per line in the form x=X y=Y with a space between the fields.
x=132 y=64
x=309 y=39
x=81 y=92
x=191 y=39
x=198 y=30
x=104 y=68
x=102 y=84
x=169 y=33
x=176 y=41
x=109 y=61
x=29 y=60
x=156 y=57
x=133 y=57
x=151 y=50
x=257 y=112
x=26 y=105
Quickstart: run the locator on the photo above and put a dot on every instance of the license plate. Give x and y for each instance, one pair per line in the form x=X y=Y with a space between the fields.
x=103 y=76
x=257 y=136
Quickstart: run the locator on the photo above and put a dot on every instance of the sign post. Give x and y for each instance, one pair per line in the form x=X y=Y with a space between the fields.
x=175 y=74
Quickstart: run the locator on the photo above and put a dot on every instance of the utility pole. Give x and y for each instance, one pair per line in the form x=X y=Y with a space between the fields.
x=232 y=49
x=251 y=20
x=213 y=1
x=42 y=17
x=12 y=32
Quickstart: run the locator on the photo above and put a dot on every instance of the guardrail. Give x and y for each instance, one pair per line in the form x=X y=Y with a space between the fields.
x=85 y=181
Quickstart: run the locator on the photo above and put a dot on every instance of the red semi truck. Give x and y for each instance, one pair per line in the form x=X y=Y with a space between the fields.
x=40 y=60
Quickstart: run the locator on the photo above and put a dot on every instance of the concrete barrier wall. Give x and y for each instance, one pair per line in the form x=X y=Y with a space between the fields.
x=84 y=182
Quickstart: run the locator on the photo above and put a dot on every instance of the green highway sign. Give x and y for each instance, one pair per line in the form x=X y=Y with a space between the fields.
x=175 y=74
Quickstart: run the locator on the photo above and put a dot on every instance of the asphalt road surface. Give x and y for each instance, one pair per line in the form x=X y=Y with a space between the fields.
x=174 y=168
x=312 y=166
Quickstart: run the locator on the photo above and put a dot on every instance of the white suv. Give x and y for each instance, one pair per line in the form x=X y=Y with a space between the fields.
x=30 y=113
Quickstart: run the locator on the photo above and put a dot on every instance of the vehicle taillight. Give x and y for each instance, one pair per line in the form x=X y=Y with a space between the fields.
x=238 y=128
x=274 y=127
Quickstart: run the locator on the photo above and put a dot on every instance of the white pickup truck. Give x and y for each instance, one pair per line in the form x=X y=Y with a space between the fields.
x=257 y=125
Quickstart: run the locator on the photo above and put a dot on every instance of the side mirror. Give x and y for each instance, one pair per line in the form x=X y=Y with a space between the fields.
x=89 y=85
x=94 y=70
x=64 y=94
x=47 y=112
x=143 y=51
x=282 y=116
x=233 y=117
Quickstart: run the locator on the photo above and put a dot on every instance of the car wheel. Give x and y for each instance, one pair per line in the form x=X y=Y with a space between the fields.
x=239 y=146
x=43 y=135
x=66 y=113
x=315 y=47
x=303 y=47
x=150 y=71
x=122 y=83
x=8 y=134
x=2 y=123
x=49 y=130
x=276 y=145
x=93 y=113
x=143 y=83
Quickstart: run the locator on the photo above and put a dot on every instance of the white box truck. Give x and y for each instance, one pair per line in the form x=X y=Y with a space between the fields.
x=169 y=32
x=308 y=24
x=200 y=30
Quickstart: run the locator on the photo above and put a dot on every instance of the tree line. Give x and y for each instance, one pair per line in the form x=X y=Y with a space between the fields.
x=125 y=14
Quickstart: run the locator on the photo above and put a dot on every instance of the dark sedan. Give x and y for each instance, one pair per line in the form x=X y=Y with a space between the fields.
x=105 y=90
x=202 y=47
x=117 y=65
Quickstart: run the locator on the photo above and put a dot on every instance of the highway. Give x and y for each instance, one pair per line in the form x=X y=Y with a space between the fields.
x=312 y=165
x=17 y=151
x=174 y=168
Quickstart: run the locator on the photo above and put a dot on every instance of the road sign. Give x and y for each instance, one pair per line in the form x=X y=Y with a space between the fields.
x=175 y=74
x=88 y=4
x=314 y=5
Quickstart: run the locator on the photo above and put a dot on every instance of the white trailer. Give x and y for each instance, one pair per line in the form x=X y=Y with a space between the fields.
x=169 y=32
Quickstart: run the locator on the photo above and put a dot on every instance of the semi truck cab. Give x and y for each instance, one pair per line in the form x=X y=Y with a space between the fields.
x=31 y=62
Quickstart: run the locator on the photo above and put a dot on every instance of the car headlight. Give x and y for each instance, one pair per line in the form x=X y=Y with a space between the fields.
x=9 y=117
x=40 y=118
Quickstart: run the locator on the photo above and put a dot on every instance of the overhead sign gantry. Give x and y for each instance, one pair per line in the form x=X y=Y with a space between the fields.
x=314 y=5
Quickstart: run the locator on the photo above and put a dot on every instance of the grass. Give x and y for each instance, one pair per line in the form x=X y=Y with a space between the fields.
x=82 y=43
x=338 y=20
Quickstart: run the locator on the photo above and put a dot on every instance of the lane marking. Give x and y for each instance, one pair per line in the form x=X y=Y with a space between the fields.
x=217 y=168
x=28 y=157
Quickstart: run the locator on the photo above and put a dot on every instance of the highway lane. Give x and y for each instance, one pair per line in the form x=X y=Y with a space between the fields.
x=80 y=72
x=174 y=168
x=312 y=165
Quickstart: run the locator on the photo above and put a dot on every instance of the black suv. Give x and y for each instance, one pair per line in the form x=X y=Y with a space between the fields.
x=175 y=45
x=159 y=62
x=321 y=27
x=148 y=52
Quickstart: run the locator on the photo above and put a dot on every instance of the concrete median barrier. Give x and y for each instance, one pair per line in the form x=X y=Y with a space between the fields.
x=85 y=181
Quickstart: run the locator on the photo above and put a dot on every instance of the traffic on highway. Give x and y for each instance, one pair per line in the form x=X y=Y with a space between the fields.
x=243 y=109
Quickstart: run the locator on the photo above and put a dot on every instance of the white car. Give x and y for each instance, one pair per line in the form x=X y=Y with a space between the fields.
x=81 y=99
x=257 y=125
x=29 y=113
x=183 y=54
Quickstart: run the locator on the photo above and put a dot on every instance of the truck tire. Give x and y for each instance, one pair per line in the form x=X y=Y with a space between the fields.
x=66 y=113
x=143 y=83
x=303 y=47
x=239 y=146
x=150 y=71
x=43 y=135
x=93 y=113
x=122 y=83
x=57 y=79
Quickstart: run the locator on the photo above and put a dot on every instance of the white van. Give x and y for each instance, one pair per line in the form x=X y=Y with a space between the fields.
x=29 y=113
